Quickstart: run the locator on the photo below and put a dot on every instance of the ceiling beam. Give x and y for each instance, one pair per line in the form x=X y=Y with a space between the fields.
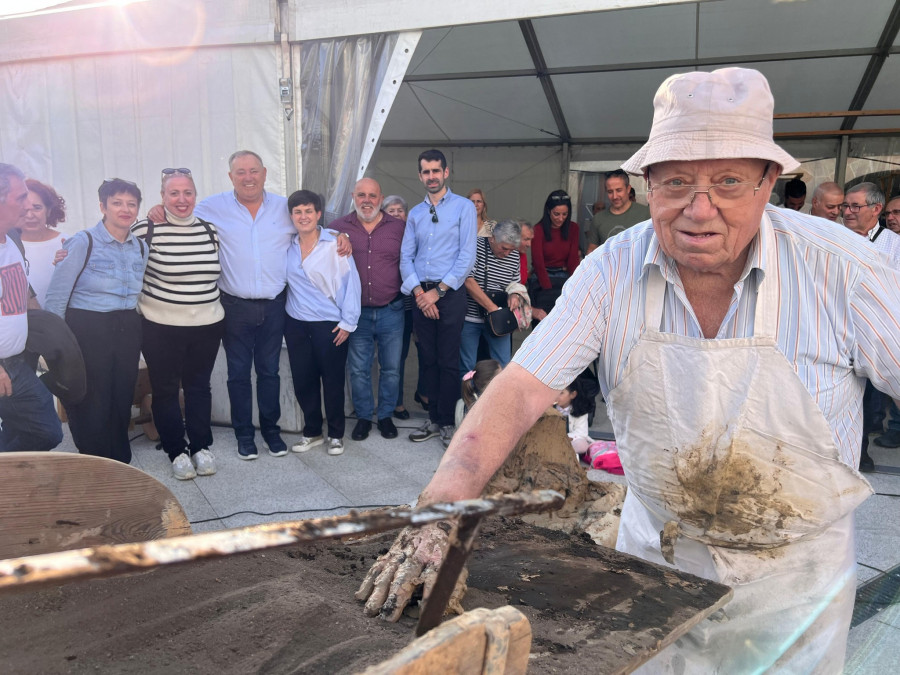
x=876 y=62
x=607 y=140
x=540 y=67
x=654 y=65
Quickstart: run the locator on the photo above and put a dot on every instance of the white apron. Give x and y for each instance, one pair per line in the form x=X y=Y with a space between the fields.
x=734 y=475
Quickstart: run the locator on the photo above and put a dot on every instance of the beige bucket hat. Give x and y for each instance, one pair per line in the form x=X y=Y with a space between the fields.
x=719 y=115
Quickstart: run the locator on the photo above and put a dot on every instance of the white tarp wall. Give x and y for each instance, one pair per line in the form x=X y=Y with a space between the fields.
x=95 y=93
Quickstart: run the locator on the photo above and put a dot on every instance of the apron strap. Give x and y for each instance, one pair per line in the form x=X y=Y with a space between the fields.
x=766 y=315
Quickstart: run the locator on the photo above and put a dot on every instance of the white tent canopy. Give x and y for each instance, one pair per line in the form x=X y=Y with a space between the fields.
x=517 y=93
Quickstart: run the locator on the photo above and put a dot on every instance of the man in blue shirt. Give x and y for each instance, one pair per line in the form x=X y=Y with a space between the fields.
x=437 y=254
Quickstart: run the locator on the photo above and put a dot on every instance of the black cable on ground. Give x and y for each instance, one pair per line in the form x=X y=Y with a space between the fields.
x=280 y=513
x=870 y=567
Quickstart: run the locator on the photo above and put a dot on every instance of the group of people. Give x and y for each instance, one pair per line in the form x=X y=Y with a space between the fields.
x=246 y=268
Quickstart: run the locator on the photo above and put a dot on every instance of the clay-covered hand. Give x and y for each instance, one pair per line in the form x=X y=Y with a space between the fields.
x=412 y=561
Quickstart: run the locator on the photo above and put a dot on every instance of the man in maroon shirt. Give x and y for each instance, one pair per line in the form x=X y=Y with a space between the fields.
x=376 y=237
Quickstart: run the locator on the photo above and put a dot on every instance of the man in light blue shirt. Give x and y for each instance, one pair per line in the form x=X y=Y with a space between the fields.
x=436 y=256
x=255 y=232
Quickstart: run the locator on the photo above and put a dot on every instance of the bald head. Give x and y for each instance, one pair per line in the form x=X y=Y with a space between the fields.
x=367 y=199
x=827 y=200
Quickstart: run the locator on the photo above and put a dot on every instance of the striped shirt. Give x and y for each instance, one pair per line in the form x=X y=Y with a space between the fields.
x=501 y=272
x=838 y=315
x=182 y=272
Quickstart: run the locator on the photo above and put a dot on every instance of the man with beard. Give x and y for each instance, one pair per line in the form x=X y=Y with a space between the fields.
x=621 y=214
x=437 y=255
x=376 y=237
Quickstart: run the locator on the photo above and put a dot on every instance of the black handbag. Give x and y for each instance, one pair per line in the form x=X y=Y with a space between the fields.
x=502 y=321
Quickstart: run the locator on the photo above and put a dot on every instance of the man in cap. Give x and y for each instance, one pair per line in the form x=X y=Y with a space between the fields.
x=705 y=321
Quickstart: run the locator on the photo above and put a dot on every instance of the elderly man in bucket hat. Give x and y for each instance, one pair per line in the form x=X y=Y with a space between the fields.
x=733 y=340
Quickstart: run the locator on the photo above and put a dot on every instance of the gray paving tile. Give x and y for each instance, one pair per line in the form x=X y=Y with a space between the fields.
x=873 y=648
x=878 y=532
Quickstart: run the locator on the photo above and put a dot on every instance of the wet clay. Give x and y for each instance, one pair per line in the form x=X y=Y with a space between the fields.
x=543 y=459
x=292 y=610
x=727 y=493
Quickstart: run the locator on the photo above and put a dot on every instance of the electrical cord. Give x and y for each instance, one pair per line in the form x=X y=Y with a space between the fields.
x=875 y=569
x=279 y=513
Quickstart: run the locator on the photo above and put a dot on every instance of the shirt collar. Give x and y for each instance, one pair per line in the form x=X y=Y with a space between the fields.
x=756 y=260
x=103 y=235
x=427 y=201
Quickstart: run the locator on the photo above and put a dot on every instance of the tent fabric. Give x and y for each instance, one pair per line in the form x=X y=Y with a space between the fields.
x=348 y=88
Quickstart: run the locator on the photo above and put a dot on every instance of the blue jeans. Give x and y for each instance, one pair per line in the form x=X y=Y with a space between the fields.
x=382 y=326
x=29 y=418
x=253 y=333
x=500 y=347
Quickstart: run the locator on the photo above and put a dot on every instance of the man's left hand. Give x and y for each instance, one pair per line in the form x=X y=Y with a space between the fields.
x=341 y=336
x=5 y=383
x=344 y=247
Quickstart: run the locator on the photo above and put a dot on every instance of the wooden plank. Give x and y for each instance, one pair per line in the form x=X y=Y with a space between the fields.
x=457 y=646
x=57 y=501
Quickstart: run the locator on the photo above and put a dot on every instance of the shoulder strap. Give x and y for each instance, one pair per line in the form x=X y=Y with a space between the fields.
x=17 y=240
x=87 y=257
x=209 y=231
x=881 y=228
x=148 y=237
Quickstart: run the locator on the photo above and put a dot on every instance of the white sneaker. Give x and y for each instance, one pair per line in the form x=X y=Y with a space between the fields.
x=205 y=462
x=307 y=442
x=335 y=446
x=183 y=468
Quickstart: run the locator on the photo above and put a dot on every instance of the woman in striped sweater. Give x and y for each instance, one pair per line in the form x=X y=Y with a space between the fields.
x=183 y=322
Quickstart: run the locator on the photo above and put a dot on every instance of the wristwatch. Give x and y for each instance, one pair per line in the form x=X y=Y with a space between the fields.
x=440 y=291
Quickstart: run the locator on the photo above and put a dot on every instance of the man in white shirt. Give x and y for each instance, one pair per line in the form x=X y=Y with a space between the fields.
x=29 y=420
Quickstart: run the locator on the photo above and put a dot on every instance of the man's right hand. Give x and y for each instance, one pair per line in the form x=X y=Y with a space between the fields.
x=6 y=384
x=157 y=214
x=59 y=256
x=413 y=560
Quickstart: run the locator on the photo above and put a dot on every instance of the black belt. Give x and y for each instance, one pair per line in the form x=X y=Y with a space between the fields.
x=394 y=299
x=277 y=297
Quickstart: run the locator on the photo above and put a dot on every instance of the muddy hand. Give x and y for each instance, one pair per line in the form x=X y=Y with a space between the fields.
x=413 y=560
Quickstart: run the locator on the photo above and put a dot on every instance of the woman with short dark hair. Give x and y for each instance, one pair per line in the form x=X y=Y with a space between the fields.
x=95 y=289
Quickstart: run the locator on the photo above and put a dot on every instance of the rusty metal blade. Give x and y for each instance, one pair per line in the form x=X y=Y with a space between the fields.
x=101 y=561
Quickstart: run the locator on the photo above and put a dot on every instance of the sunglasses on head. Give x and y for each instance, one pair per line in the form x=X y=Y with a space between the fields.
x=182 y=171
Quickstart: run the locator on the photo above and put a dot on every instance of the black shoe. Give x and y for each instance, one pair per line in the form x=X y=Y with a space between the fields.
x=422 y=402
x=401 y=414
x=866 y=464
x=889 y=439
x=277 y=447
x=387 y=428
x=361 y=430
x=247 y=450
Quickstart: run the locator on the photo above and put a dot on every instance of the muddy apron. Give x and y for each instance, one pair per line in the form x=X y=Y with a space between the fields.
x=734 y=475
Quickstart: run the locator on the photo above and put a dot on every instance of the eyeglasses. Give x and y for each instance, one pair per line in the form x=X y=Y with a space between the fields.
x=727 y=195
x=434 y=217
x=893 y=212
x=118 y=180
x=182 y=171
x=854 y=208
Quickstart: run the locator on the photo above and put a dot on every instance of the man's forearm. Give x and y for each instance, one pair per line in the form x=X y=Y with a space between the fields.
x=507 y=409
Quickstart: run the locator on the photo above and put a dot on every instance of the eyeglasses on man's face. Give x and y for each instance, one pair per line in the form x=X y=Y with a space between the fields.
x=730 y=192
x=854 y=208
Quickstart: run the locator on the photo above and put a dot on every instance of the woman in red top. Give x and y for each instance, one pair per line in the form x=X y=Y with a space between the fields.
x=554 y=251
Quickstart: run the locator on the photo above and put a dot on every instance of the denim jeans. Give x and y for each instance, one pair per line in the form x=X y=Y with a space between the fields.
x=500 y=347
x=382 y=326
x=29 y=418
x=254 y=330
